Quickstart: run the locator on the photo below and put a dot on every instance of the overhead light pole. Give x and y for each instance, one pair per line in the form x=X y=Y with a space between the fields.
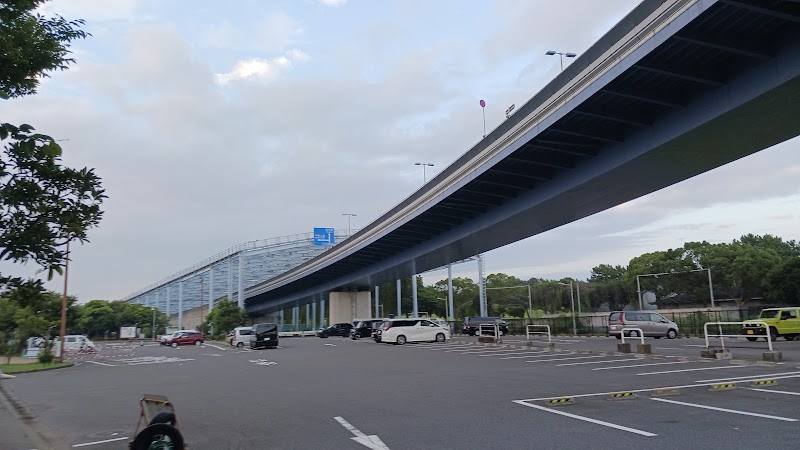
x=572 y=302
x=561 y=56
x=424 y=166
x=349 y=215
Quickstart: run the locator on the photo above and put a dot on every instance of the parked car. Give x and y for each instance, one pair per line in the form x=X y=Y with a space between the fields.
x=186 y=338
x=337 y=329
x=264 y=335
x=364 y=328
x=652 y=324
x=239 y=336
x=471 y=325
x=377 y=330
x=400 y=331
x=781 y=322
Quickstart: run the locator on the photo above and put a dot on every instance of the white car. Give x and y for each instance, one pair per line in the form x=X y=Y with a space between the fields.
x=400 y=331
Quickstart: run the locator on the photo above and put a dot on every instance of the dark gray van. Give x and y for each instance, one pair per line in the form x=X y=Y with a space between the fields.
x=265 y=335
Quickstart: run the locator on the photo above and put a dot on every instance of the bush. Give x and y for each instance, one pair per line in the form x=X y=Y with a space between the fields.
x=46 y=356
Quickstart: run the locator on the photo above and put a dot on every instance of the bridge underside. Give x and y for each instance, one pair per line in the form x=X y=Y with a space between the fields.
x=720 y=84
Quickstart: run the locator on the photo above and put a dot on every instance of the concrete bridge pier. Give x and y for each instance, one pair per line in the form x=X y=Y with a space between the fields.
x=350 y=305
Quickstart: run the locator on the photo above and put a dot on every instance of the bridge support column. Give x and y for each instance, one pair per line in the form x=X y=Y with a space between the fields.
x=321 y=312
x=350 y=305
x=399 y=299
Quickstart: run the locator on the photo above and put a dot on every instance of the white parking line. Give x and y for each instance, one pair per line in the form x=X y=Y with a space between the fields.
x=599 y=362
x=691 y=370
x=538 y=356
x=566 y=359
x=774 y=391
x=215 y=346
x=100 y=442
x=99 y=363
x=516 y=353
x=586 y=419
x=732 y=411
x=751 y=376
x=642 y=365
x=499 y=351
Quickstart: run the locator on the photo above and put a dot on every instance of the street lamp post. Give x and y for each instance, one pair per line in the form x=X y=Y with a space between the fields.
x=572 y=302
x=560 y=56
x=64 y=306
x=153 y=332
x=349 y=215
x=424 y=165
x=639 y=286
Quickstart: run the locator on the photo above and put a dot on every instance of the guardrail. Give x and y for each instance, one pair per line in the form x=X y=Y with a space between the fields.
x=641 y=334
x=528 y=332
x=495 y=329
x=721 y=335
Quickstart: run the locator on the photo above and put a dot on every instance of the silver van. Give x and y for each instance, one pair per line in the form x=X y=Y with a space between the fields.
x=650 y=323
x=241 y=336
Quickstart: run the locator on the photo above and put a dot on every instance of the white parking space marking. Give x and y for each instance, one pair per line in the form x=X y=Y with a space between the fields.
x=212 y=354
x=263 y=362
x=694 y=345
x=516 y=353
x=642 y=365
x=505 y=350
x=599 y=362
x=691 y=370
x=796 y=374
x=100 y=442
x=150 y=360
x=215 y=346
x=99 y=363
x=538 y=356
x=586 y=419
x=732 y=411
x=773 y=391
x=566 y=359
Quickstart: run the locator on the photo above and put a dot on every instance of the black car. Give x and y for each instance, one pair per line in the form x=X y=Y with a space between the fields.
x=365 y=328
x=337 y=329
x=264 y=335
x=471 y=324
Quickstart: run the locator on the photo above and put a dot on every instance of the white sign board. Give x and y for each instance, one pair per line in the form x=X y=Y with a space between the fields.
x=127 y=333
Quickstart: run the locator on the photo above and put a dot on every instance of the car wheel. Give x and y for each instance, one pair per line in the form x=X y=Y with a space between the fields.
x=752 y=339
x=198 y=343
x=633 y=333
x=174 y=345
x=240 y=345
x=401 y=340
x=618 y=336
x=440 y=337
x=672 y=334
x=773 y=333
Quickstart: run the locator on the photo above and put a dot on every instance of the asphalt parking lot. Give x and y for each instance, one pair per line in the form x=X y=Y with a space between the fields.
x=339 y=393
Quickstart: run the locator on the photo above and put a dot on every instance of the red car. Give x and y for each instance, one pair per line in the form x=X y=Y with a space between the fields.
x=187 y=338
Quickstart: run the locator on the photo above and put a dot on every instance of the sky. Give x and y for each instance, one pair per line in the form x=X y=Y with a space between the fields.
x=217 y=123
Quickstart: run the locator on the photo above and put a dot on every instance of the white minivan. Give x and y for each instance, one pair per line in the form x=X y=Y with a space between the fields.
x=241 y=336
x=400 y=331
x=74 y=343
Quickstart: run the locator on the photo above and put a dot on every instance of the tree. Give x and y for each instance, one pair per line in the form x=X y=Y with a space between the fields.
x=225 y=316
x=97 y=317
x=32 y=45
x=784 y=284
x=43 y=205
x=607 y=272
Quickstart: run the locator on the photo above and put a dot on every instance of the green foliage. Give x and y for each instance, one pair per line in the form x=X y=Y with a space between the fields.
x=784 y=283
x=97 y=317
x=225 y=316
x=43 y=204
x=606 y=273
x=46 y=356
x=32 y=45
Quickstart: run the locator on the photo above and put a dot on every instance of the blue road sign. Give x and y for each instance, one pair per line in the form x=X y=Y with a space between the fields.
x=324 y=236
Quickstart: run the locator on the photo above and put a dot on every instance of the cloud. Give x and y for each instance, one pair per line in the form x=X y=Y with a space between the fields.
x=257 y=68
x=333 y=3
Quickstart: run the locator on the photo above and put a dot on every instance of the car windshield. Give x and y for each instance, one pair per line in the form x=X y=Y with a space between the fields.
x=770 y=313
